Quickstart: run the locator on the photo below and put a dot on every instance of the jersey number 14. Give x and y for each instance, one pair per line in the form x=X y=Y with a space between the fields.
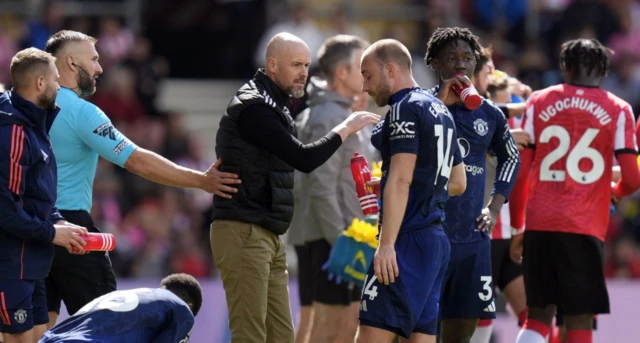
x=445 y=160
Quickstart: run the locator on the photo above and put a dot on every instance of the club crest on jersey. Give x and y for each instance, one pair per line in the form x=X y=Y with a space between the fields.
x=20 y=316
x=481 y=127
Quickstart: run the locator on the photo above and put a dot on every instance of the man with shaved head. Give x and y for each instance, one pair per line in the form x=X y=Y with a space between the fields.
x=80 y=134
x=257 y=139
x=421 y=167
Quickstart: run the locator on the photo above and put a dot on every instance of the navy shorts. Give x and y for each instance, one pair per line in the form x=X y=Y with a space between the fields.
x=410 y=304
x=468 y=286
x=23 y=304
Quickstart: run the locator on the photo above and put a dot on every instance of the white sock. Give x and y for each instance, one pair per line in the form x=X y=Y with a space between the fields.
x=530 y=336
x=482 y=334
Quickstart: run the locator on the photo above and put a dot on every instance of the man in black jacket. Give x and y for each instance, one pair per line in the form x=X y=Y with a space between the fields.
x=257 y=141
x=29 y=220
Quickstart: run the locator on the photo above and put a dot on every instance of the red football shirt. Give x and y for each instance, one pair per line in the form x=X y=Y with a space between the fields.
x=576 y=131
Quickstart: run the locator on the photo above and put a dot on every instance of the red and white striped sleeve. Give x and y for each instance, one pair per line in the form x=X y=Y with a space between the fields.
x=625 y=136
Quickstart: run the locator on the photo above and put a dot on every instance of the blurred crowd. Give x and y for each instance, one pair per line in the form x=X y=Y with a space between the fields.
x=161 y=230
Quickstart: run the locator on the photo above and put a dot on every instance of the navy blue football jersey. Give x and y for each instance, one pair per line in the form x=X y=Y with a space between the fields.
x=142 y=315
x=480 y=131
x=418 y=123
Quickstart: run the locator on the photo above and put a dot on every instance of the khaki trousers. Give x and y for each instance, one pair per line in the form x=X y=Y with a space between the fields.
x=253 y=265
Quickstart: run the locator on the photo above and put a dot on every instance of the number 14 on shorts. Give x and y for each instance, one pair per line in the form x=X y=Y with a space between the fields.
x=369 y=290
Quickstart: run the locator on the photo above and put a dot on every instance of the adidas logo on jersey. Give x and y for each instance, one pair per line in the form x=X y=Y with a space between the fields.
x=491 y=307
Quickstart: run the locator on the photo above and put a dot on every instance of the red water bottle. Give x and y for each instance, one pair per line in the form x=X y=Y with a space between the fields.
x=362 y=175
x=98 y=242
x=469 y=95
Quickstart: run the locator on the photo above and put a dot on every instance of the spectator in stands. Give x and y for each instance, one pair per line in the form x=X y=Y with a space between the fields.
x=10 y=36
x=80 y=134
x=624 y=259
x=343 y=25
x=116 y=42
x=257 y=138
x=624 y=80
x=119 y=97
x=177 y=135
x=298 y=24
x=149 y=71
x=50 y=22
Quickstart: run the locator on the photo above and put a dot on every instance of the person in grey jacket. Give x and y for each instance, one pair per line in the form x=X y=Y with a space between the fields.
x=325 y=199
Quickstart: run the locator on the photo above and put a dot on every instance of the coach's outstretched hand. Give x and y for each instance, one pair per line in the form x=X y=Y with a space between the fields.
x=67 y=237
x=385 y=265
x=216 y=181
x=355 y=122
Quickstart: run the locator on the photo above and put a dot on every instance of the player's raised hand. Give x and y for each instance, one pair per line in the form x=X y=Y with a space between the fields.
x=520 y=89
x=487 y=220
x=385 y=265
x=67 y=237
x=446 y=93
x=215 y=181
x=515 y=252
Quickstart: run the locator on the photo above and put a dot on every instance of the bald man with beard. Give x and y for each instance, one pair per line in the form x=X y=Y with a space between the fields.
x=257 y=140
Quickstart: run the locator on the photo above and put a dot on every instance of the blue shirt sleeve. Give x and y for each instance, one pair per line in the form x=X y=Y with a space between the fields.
x=404 y=128
x=14 y=163
x=179 y=325
x=505 y=149
x=96 y=130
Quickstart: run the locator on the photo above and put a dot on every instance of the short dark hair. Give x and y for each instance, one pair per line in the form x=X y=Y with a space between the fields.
x=497 y=81
x=186 y=287
x=60 y=39
x=485 y=57
x=390 y=50
x=586 y=56
x=336 y=51
x=443 y=36
x=26 y=62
